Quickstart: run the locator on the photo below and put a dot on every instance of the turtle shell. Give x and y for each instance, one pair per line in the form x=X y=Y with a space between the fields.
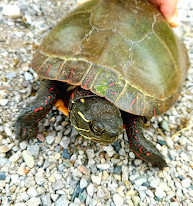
x=122 y=50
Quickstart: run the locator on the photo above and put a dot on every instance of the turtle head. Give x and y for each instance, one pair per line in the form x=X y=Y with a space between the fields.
x=96 y=118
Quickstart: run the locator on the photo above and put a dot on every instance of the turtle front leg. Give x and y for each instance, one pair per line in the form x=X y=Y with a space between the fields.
x=143 y=148
x=27 y=121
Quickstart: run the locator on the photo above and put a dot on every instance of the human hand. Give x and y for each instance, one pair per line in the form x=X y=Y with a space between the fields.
x=167 y=7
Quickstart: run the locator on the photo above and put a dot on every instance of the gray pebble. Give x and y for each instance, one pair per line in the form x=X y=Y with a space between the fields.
x=33 y=150
x=62 y=201
x=46 y=200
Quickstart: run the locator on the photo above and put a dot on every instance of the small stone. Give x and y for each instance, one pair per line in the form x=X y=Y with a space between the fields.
x=103 y=166
x=50 y=139
x=4 y=149
x=4 y=102
x=29 y=159
x=96 y=179
x=140 y=181
x=118 y=200
x=57 y=156
x=84 y=170
x=2 y=176
x=8 y=131
x=62 y=201
x=174 y=204
x=117 y=146
x=164 y=125
x=58 y=185
x=105 y=175
x=109 y=149
x=149 y=192
x=117 y=170
x=65 y=154
x=23 y=145
x=186 y=183
x=136 y=200
x=82 y=197
x=153 y=182
x=83 y=183
x=65 y=142
x=184 y=156
x=90 y=189
x=20 y=204
x=12 y=11
x=46 y=200
x=28 y=76
x=32 y=192
x=54 y=197
x=159 y=192
x=34 y=201
x=10 y=75
x=57 y=140
x=33 y=150
x=14 y=178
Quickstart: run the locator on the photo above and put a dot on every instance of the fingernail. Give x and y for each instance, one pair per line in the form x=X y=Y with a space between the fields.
x=81 y=1
x=174 y=21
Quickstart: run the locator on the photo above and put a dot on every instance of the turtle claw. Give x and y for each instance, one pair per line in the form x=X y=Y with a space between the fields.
x=26 y=132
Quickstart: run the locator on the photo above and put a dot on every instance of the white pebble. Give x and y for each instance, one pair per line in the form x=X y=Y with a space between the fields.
x=29 y=159
x=12 y=11
x=4 y=102
x=50 y=139
x=90 y=189
x=96 y=179
x=28 y=76
x=32 y=192
x=83 y=183
x=118 y=200
x=159 y=192
x=103 y=166
x=186 y=182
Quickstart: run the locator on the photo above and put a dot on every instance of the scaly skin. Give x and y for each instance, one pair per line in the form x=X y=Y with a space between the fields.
x=27 y=121
x=143 y=148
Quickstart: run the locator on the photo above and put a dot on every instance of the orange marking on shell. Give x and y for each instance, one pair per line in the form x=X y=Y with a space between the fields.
x=111 y=84
x=147 y=153
x=72 y=71
x=154 y=111
x=48 y=70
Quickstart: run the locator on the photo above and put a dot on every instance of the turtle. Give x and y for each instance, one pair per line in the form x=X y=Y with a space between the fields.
x=109 y=65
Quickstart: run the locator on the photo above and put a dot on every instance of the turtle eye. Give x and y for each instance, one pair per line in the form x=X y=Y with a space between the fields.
x=96 y=127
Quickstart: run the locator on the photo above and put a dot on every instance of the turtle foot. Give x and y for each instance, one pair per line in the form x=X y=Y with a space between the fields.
x=142 y=148
x=26 y=132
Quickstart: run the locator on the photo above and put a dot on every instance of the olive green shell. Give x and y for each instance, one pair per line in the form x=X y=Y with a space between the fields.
x=123 y=50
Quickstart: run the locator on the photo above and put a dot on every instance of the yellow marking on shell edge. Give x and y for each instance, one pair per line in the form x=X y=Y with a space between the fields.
x=82 y=100
x=86 y=130
x=82 y=116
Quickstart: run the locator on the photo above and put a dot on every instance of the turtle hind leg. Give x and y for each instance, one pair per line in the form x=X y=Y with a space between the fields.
x=27 y=121
x=143 y=148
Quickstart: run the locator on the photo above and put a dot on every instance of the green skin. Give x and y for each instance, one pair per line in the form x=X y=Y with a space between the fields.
x=94 y=118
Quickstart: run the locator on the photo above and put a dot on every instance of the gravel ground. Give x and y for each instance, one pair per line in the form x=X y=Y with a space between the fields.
x=65 y=169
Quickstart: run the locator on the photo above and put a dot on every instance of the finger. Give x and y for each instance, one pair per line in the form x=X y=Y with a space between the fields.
x=169 y=10
x=81 y=1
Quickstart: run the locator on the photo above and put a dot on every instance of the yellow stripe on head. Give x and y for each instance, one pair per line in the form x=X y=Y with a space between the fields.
x=83 y=117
